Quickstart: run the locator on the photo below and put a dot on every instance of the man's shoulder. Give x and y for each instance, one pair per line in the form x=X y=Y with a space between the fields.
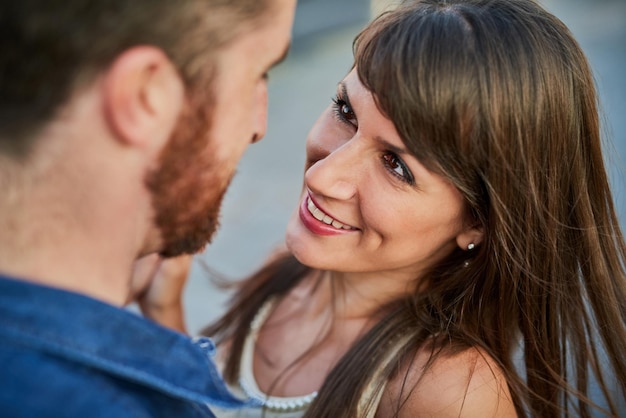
x=36 y=383
x=64 y=350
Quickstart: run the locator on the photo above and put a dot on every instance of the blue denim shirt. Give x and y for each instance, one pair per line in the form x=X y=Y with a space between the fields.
x=63 y=354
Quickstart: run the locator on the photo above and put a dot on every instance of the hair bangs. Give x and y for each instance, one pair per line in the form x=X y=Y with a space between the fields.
x=420 y=68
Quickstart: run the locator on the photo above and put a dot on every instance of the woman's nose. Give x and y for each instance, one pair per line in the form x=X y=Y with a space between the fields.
x=336 y=174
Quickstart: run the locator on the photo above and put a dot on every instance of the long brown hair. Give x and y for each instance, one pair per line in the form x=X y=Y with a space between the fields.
x=497 y=96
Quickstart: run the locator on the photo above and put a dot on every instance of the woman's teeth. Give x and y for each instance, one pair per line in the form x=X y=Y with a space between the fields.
x=321 y=216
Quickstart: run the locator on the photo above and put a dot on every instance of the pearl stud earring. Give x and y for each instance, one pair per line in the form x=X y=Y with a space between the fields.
x=471 y=246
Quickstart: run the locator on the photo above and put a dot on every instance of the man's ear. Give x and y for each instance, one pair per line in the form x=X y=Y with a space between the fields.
x=143 y=96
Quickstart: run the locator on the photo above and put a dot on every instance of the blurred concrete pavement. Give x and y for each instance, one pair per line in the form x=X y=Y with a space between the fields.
x=265 y=191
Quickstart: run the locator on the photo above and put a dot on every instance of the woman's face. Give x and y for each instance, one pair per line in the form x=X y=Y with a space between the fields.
x=368 y=205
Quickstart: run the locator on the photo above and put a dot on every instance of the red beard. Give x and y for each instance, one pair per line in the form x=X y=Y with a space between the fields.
x=189 y=185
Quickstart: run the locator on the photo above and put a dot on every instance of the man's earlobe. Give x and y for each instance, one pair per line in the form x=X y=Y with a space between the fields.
x=143 y=95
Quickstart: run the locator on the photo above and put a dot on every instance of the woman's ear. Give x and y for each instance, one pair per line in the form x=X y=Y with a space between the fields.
x=470 y=237
x=143 y=97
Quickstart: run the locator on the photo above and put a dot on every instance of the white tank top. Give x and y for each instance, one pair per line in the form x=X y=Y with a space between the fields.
x=273 y=406
x=289 y=407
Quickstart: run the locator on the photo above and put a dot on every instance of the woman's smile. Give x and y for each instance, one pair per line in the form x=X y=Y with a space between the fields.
x=318 y=221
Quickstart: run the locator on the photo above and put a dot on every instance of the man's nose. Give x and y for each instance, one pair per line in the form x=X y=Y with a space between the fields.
x=260 y=122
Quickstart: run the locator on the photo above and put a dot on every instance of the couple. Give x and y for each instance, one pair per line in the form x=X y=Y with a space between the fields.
x=455 y=214
x=452 y=201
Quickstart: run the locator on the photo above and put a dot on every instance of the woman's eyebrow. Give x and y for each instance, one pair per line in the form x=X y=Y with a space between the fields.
x=391 y=147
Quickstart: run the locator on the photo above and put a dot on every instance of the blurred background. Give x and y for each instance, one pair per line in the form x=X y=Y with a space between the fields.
x=266 y=188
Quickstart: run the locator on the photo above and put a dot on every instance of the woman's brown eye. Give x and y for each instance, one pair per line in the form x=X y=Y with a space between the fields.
x=343 y=111
x=347 y=112
x=397 y=167
x=391 y=161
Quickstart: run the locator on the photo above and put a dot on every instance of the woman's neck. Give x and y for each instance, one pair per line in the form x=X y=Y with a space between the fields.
x=351 y=296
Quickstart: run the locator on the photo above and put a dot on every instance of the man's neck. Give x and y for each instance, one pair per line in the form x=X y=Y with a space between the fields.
x=73 y=241
x=65 y=258
x=75 y=213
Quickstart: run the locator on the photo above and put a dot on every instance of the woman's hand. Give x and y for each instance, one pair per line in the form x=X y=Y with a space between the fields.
x=157 y=286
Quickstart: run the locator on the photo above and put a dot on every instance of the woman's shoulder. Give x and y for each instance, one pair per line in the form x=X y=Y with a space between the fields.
x=466 y=384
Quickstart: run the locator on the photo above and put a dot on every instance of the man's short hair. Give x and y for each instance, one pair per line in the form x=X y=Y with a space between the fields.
x=49 y=48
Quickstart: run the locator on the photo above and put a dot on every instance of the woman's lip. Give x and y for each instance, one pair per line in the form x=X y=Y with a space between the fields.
x=321 y=215
x=317 y=226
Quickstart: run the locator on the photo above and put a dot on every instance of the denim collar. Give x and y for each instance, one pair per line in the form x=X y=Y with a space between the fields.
x=113 y=340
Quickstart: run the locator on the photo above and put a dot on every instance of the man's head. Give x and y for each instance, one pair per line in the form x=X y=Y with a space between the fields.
x=51 y=47
x=219 y=52
x=216 y=125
